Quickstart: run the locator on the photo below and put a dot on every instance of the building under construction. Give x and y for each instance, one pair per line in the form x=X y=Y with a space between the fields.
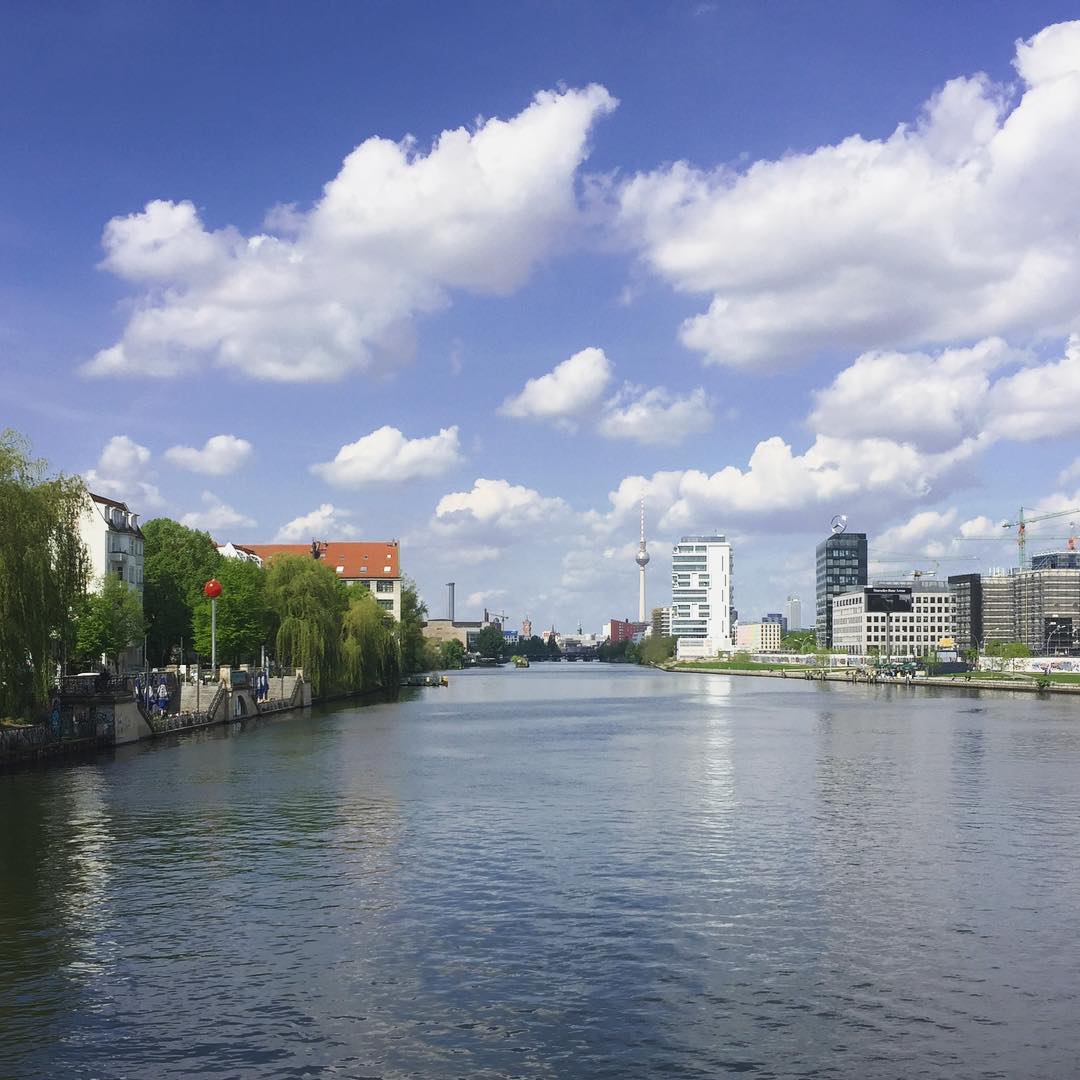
x=1039 y=607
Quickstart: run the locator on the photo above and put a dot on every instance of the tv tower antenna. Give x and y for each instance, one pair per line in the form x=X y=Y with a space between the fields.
x=642 y=559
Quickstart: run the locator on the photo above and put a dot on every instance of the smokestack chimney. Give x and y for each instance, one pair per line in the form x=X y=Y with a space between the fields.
x=450 y=600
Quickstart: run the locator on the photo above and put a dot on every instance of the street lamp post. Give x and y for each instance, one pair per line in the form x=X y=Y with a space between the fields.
x=213 y=590
x=1051 y=631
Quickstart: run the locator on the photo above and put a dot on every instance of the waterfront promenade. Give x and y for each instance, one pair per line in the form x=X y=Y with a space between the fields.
x=573 y=870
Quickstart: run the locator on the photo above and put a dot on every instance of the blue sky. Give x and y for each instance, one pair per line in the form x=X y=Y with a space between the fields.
x=756 y=263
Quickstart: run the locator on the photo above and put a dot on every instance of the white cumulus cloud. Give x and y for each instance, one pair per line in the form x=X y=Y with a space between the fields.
x=215 y=516
x=1039 y=401
x=219 y=456
x=961 y=225
x=484 y=597
x=328 y=522
x=336 y=288
x=566 y=391
x=779 y=487
x=655 y=417
x=124 y=473
x=499 y=503
x=935 y=401
x=386 y=456
x=930 y=400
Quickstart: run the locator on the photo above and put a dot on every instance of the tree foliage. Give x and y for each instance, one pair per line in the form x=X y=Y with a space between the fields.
x=1002 y=653
x=177 y=563
x=414 y=656
x=490 y=643
x=309 y=601
x=245 y=622
x=109 y=622
x=799 y=641
x=657 y=648
x=43 y=573
x=451 y=654
x=532 y=648
x=370 y=651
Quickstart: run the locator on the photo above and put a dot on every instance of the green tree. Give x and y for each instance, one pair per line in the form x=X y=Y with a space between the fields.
x=370 y=649
x=309 y=602
x=657 y=649
x=245 y=622
x=109 y=622
x=1002 y=653
x=411 y=629
x=613 y=652
x=43 y=573
x=451 y=654
x=490 y=643
x=177 y=563
x=552 y=649
x=799 y=641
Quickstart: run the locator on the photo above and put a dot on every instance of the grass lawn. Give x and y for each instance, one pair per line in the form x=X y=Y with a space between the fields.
x=1015 y=676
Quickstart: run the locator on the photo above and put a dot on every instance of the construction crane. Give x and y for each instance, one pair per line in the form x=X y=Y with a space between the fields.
x=1021 y=523
x=916 y=574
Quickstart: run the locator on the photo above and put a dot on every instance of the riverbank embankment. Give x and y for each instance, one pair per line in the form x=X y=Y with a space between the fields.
x=849 y=675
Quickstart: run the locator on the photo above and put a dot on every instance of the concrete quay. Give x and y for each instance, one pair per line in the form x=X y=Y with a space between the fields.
x=1026 y=686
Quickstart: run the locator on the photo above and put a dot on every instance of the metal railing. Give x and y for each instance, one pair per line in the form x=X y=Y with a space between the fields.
x=89 y=685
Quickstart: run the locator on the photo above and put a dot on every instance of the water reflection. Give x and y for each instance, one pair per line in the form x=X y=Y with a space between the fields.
x=561 y=871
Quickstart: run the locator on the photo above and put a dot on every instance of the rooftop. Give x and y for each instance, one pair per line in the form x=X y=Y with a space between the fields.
x=352 y=560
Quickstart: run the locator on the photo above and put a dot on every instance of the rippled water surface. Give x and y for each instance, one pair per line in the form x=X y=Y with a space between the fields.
x=565 y=871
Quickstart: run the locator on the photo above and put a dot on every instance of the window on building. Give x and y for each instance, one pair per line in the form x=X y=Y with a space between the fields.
x=384 y=586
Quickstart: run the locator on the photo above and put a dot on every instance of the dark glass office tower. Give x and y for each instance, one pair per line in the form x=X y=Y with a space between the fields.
x=841 y=566
x=968 y=610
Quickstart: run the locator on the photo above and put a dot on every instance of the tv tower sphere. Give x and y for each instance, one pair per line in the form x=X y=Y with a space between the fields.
x=642 y=558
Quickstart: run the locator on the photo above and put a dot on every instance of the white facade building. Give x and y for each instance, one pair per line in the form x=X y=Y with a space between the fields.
x=895 y=620
x=113 y=541
x=758 y=636
x=793 y=613
x=114 y=545
x=701 y=569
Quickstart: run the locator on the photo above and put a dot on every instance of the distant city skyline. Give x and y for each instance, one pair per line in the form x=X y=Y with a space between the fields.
x=801 y=262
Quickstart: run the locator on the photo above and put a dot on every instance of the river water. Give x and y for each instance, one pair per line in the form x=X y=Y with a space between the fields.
x=570 y=871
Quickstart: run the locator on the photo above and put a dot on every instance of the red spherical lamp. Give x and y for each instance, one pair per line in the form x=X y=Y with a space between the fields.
x=212 y=588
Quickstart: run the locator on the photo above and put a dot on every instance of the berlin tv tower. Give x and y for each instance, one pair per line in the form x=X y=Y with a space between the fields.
x=642 y=559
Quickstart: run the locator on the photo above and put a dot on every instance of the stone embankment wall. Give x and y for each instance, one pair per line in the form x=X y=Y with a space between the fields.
x=1027 y=686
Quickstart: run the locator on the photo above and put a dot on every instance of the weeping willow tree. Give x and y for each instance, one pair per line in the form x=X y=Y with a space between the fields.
x=43 y=573
x=309 y=602
x=370 y=653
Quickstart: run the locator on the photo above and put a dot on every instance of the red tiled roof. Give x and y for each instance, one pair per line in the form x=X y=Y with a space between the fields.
x=360 y=559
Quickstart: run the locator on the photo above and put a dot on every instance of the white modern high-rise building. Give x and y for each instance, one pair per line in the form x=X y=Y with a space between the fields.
x=793 y=613
x=701 y=568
